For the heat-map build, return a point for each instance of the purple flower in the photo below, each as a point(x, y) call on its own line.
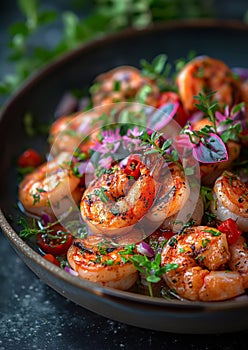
point(131, 141)
point(110, 143)
point(110, 136)
point(236, 115)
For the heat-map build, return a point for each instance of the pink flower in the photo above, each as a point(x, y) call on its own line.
point(131, 141)
point(110, 136)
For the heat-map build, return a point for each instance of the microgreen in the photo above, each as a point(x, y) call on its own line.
point(158, 145)
point(213, 232)
point(208, 106)
point(207, 196)
point(151, 269)
point(100, 192)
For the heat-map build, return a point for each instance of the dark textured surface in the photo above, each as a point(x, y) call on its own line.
point(33, 316)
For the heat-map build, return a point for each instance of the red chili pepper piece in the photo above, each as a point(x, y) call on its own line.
point(133, 167)
point(29, 158)
point(52, 259)
point(230, 228)
point(56, 242)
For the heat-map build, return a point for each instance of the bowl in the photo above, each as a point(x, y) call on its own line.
point(41, 94)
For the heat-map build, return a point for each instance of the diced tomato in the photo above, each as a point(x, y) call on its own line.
point(29, 158)
point(230, 228)
point(170, 96)
point(52, 259)
point(55, 242)
point(133, 167)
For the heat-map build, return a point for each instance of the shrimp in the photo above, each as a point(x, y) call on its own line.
point(113, 203)
point(100, 263)
point(201, 255)
point(68, 132)
point(172, 195)
point(51, 184)
point(231, 199)
point(121, 84)
point(207, 74)
point(239, 258)
point(193, 209)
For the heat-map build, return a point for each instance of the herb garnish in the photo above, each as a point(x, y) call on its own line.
point(151, 269)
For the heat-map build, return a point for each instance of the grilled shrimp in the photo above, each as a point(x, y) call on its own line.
point(101, 263)
point(68, 132)
point(122, 84)
point(193, 209)
point(239, 258)
point(113, 203)
point(202, 256)
point(231, 199)
point(207, 74)
point(172, 195)
point(51, 184)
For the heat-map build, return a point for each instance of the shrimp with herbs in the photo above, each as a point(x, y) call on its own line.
point(123, 84)
point(230, 199)
point(172, 194)
point(208, 74)
point(50, 185)
point(102, 263)
point(204, 265)
point(75, 131)
point(118, 199)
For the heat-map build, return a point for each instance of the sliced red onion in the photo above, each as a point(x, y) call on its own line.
point(82, 168)
point(68, 104)
point(195, 117)
point(83, 103)
point(241, 72)
point(123, 162)
point(70, 271)
point(145, 249)
point(46, 219)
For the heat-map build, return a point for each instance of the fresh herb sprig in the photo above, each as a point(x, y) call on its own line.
point(151, 269)
point(154, 140)
point(28, 231)
point(158, 70)
point(208, 106)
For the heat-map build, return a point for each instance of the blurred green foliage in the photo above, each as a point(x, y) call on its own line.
point(103, 17)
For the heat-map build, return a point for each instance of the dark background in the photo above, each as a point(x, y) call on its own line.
point(33, 316)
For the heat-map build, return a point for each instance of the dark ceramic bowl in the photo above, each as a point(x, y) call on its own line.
point(40, 96)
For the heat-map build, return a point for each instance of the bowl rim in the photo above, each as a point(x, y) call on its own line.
point(57, 272)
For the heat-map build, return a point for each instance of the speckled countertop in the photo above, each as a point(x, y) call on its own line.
point(33, 316)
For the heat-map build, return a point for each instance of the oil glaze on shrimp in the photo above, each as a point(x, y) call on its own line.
point(207, 74)
point(122, 84)
point(69, 132)
point(231, 200)
point(102, 264)
point(113, 203)
point(174, 192)
point(50, 184)
point(202, 255)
